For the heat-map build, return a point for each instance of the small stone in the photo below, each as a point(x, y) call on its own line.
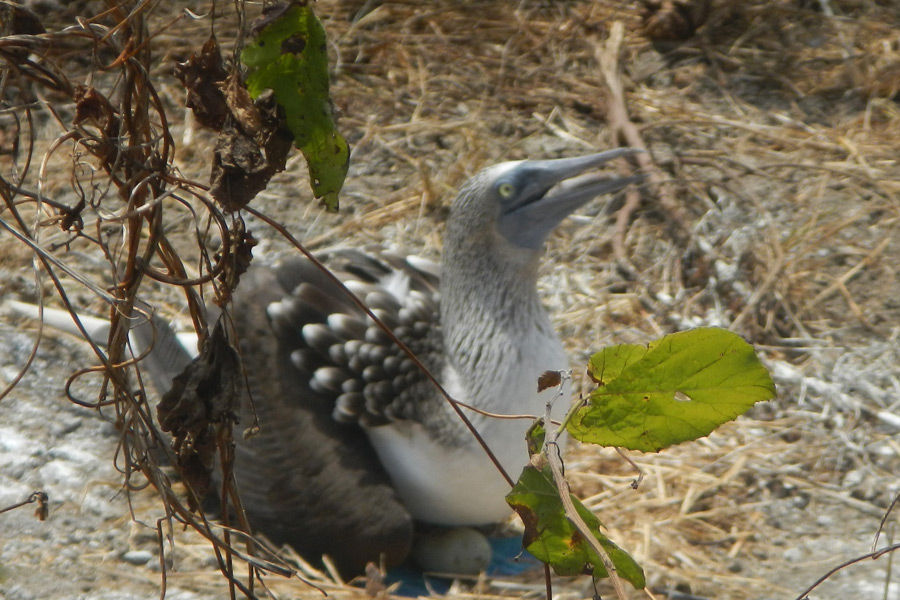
point(71, 553)
point(853, 479)
point(825, 521)
point(461, 551)
point(65, 426)
point(793, 554)
point(137, 557)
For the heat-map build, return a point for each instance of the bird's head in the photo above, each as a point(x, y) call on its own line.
point(521, 202)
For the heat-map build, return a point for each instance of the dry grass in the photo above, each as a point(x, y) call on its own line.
point(776, 127)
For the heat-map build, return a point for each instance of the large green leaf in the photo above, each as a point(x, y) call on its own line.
point(609, 363)
point(552, 538)
point(289, 57)
point(678, 388)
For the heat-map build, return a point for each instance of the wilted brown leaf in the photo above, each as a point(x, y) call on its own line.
point(203, 400)
point(201, 75)
point(548, 379)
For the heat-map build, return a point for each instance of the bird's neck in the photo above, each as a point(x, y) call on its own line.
point(492, 320)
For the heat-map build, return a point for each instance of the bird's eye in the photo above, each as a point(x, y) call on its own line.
point(506, 190)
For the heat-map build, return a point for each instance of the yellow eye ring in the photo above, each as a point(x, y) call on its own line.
point(506, 190)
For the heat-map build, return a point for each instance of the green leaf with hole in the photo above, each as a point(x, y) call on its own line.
point(676, 389)
point(552, 538)
point(289, 56)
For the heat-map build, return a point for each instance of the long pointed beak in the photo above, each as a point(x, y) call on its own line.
point(555, 190)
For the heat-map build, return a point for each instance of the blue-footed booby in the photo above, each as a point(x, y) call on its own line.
point(355, 443)
point(476, 322)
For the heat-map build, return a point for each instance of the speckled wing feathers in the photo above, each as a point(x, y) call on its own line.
point(343, 353)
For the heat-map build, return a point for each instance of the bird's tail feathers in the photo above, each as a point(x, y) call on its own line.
point(169, 354)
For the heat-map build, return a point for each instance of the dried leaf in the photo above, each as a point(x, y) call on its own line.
point(242, 164)
point(201, 76)
point(42, 510)
point(203, 401)
point(241, 106)
point(548, 379)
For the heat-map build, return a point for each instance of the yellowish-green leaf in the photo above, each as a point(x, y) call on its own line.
point(677, 389)
point(609, 363)
point(552, 538)
point(289, 57)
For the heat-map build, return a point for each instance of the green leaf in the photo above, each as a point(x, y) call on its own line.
point(534, 437)
point(679, 388)
point(552, 538)
point(609, 363)
point(289, 57)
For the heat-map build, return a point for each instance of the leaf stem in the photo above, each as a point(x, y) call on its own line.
point(554, 459)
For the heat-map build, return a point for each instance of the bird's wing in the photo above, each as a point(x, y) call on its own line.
point(305, 479)
point(344, 354)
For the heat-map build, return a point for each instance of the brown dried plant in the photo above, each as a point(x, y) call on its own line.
point(96, 81)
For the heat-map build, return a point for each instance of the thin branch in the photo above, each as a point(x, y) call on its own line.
point(844, 565)
point(553, 454)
